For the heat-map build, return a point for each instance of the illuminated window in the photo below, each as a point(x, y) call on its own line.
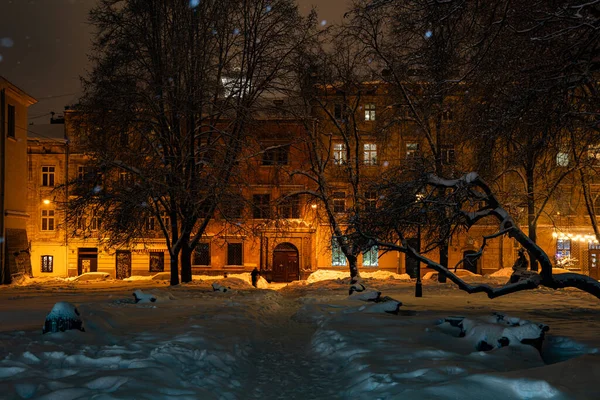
point(370, 153)
point(563, 248)
point(370, 112)
point(338, 258)
point(47, 220)
point(562, 159)
point(48, 175)
point(412, 151)
point(339, 154)
point(371, 257)
point(47, 263)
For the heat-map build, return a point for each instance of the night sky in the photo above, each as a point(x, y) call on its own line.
point(44, 45)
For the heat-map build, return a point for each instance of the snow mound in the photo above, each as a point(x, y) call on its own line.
point(328, 274)
point(141, 297)
point(91, 276)
point(502, 273)
point(64, 316)
point(461, 273)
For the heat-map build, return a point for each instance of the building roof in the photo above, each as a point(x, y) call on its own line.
point(46, 132)
point(28, 100)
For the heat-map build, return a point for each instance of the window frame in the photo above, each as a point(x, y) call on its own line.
point(261, 206)
point(229, 248)
point(48, 175)
point(197, 256)
point(339, 201)
point(48, 223)
point(276, 155)
point(563, 248)
point(370, 112)
point(340, 153)
point(11, 121)
point(371, 257)
point(338, 258)
point(370, 154)
point(156, 255)
point(47, 264)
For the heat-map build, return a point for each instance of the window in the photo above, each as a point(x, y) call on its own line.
point(234, 254)
point(338, 111)
point(232, 206)
point(596, 203)
point(125, 178)
point(201, 254)
point(276, 155)
point(370, 201)
point(261, 206)
point(412, 151)
point(339, 202)
point(81, 223)
point(562, 159)
point(166, 220)
point(95, 223)
point(338, 258)
point(47, 220)
point(447, 155)
point(11, 120)
point(48, 175)
point(157, 262)
point(563, 248)
point(594, 152)
point(289, 207)
point(339, 154)
point(370, 112)
point(447, 115)
point(150, 224)
point(370, 153)
point(47, 263)
point(371, 257)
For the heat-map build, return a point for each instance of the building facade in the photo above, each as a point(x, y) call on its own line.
point(14, 250)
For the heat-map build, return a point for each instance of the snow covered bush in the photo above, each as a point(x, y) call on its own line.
point(498, 331)
point(64, 316)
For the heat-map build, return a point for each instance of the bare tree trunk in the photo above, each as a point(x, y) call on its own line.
point(353, 264)
point(174, 269)
point(589, 204)
point(531, 221)
point(186, 262)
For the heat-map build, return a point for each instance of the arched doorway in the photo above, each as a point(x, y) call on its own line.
point(286, 267)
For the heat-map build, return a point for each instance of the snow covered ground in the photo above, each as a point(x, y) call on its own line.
point(306, 340)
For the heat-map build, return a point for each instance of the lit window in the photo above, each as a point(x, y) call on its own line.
point(562, 159)
point(47, 220)
point(235, 254)
point(370, 112)
point(412, 150)
point(48, 175)
point(202, 254)
point(371, 257)
point(47, 263)
point(339, 202)
point(339, 154)
point(563, 248)
point(370, 153)
point(338, 258)
point(594, 152)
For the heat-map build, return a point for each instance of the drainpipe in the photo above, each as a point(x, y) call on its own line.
point(66, 202)
point(2, 183)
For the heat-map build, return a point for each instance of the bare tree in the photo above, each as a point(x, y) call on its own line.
point(468, 200)
point(167, 107)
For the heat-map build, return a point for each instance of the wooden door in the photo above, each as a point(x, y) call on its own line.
point(285, 266)
point(123, 264)
point(594, 263)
